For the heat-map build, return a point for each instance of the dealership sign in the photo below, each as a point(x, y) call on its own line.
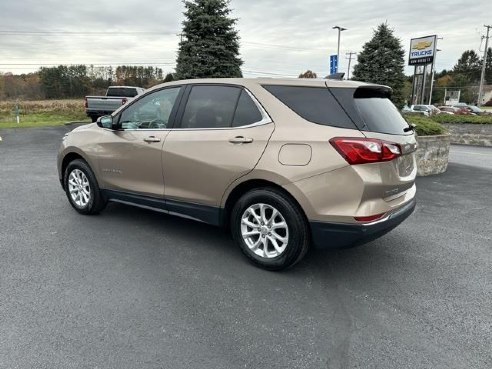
point(422, 50)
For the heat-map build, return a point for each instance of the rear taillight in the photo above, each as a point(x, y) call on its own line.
point(85, 103)
point(124, 101)
point(365, 150)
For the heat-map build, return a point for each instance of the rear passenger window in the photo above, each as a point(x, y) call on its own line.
point(210, 107)
point(315, 104)
point(246, 112)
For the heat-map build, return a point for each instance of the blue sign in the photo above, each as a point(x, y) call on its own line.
point(333, 64)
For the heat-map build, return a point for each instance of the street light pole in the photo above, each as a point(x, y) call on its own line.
point(484, 62)
point(340, 29)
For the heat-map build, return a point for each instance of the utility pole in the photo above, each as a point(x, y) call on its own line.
point(484, 62)
point(340, 29)
point(350, 60)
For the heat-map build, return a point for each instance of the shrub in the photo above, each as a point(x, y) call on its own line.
point(424, 126)
point(460, 119)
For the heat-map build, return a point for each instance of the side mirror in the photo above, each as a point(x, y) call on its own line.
point(105, 121)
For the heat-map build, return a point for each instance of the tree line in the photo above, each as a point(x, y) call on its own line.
point(76, 81)
point(209, 48)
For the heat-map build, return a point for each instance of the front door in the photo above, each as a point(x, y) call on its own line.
point(131, 158)
point(220, 136)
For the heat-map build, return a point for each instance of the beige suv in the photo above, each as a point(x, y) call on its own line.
point(283, 163)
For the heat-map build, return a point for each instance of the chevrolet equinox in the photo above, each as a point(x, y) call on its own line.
point(283, 163)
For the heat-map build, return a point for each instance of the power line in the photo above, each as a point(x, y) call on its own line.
point(55, 33)
point(283, 46)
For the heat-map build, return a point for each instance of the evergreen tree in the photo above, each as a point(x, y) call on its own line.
point(210, 44)
point(169, 77)
point(488, 66)
point(469, 66)
point(382, 61)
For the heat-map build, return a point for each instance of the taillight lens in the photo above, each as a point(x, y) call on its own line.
point(85, 103)
point(124, 101)
point(357, 150)
point(370, 218)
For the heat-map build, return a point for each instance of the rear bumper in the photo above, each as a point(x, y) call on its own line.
point(337, 235)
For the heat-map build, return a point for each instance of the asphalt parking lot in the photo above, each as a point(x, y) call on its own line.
point(131, 288)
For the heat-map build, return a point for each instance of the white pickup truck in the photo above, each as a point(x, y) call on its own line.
point(97, 106)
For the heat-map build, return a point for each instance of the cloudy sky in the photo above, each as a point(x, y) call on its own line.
point(278, 37)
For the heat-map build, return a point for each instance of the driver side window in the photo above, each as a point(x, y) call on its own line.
point(151, 112)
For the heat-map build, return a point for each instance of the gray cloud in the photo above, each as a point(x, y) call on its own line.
point(278, 37)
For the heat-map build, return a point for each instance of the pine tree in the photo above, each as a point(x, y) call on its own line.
point(210, 44)
point(488, 66)
point(382, 61)
point(469, 66)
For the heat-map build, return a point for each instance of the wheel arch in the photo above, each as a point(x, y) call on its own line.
point(67, 159)
point(241, 188)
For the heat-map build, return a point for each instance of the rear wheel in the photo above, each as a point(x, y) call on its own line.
point(270, 229)
point(82, 189)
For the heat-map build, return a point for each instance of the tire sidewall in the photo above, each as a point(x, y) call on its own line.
point(292, 217)
point(84, 168)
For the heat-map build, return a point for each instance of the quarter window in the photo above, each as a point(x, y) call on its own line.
point(315, 104)
point(152, 111)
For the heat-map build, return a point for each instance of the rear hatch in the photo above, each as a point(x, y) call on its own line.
point(377, 118)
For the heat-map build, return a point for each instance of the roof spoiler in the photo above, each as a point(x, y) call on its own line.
point(336, 76)
point(373, 91)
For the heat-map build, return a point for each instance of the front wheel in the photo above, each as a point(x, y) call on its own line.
point(82, 189)
point(270, 229)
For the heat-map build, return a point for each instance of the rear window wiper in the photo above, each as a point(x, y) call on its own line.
point(411, 127)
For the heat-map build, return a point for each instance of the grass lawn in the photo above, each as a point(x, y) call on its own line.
point(41, 113)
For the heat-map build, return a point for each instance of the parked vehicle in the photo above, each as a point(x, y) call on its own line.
point(474, 110)
point(408, 109)
point(463, 110)
point(430, 109)
point(449, 110)
point(97, 106)
point(283, 163)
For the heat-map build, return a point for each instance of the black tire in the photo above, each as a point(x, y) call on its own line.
point(298, 228)
point(96, 201)
point(94, 118)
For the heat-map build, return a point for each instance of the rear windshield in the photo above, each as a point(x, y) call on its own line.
point(315, 104)
point(371, 109)
point(122, 92)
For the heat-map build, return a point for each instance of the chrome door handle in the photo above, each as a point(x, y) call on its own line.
point(152, 139)
point(240, 139)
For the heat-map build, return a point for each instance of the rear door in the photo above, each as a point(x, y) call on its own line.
point(220, 136)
